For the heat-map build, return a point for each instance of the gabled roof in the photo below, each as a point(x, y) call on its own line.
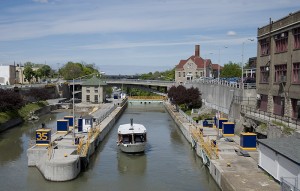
point(197, 60)
point(288, 147)
point(94, 81)
point(216, 67)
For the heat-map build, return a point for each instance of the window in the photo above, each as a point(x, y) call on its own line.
point(264, 74)
point(281, 42)
point(296, 33)
point(264, 47)
point(280, 73)
point(96, 98)
point(88, 91)
point(87, 98)
point(96, 90)
point(183, 74)
point(179, 74)
point(296, 72)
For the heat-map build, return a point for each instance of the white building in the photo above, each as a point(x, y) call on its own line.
point(7, 75)
point(280, 157)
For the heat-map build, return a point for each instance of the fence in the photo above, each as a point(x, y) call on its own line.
point(286, 185)
point(189, 118)
point(270, 117)
point(244, 100)
point(225, 83)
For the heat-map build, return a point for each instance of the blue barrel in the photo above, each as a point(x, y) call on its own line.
point(62, 125)
point(79, 124)
point(248, 141)
point(70, 119)
point(228, 129)
point(220, 121)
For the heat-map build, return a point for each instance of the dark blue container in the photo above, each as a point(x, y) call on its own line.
point(220, 121)
point(62, 125)
point(43, 136)
point(70, 119)
point(228, 129)
point(79, 124)
point(248, 141)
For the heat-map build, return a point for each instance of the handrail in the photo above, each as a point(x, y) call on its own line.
point(267, 116)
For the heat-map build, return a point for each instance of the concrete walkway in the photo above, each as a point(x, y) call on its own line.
point(235, 172)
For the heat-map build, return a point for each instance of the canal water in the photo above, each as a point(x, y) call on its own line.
point(169, 163)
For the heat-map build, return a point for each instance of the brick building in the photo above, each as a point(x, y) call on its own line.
point(192, 68)
point(278, 66)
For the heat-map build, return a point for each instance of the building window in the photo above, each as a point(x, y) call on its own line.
point(179, 74)
point(281, 42)
point(296, 72)
point(88, 91)
point(280, 73)
point(264, 47)
point(297, 38)
point(264, 74)
point(96, 90)
point(183, 74)
point(96, 98)
point(88, 98)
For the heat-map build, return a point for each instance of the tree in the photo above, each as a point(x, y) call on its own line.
point(231, 70)
point(10, 100)
point(28, 72)
point(193, 98)
point(189, 97)
point(44, 71)
point(73, 70)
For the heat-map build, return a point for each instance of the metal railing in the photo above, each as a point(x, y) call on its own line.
point(147, 98)
point(286, 185)
point(225, 83)
point(270, 117)
point(244, 100)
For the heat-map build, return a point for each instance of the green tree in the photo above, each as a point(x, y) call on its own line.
point(44, 71)
point(28, 72)
point(231, 70)
point(73, 70)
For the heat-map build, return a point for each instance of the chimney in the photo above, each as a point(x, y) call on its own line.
point(197, 50)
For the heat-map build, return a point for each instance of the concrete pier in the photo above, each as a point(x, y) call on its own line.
point(62, 160)
point(229, 170)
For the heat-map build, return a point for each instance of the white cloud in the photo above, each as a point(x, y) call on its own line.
point(231, 33)
point(41, 1)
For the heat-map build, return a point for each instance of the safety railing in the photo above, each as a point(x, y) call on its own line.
point(147, 98)
point(270, 117)
point(210, 147)
point(289, 183)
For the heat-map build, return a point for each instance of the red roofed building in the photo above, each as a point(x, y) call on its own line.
point(192, 68)
point(215, 70)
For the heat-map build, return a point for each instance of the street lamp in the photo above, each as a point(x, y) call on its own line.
point(74, 101)
point(219, 63)
point(243, 63)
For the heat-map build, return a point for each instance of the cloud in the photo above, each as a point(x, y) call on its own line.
point(231, 33)
point(40, 1)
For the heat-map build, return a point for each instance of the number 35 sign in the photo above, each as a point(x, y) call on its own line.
point(43, 136)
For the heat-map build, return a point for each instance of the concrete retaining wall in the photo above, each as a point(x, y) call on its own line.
point(213, 169)
point(11, 123)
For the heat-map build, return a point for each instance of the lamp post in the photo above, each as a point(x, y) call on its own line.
point(74, 101)
point(219, 60)
point(242, 78)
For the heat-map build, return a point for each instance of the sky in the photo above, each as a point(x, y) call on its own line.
point(133, 36)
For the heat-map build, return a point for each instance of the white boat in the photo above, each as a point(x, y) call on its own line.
point(132, 138)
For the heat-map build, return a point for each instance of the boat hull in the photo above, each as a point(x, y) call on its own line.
point(133, 148)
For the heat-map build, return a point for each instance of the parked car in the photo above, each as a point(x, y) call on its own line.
point(250, 80)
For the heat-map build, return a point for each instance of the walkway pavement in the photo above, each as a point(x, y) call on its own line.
point(237, 172)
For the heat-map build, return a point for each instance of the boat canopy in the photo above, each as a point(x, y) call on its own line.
point(129, 129)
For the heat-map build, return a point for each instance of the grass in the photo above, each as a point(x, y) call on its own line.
point(23, 112)
point(286, 130)
point(263, 127)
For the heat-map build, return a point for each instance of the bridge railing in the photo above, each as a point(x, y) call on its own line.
point(270, 117)
point(224, 83)
point(147, 98)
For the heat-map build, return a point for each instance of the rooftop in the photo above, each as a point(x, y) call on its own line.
point(288, 147)
point(94, 81)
